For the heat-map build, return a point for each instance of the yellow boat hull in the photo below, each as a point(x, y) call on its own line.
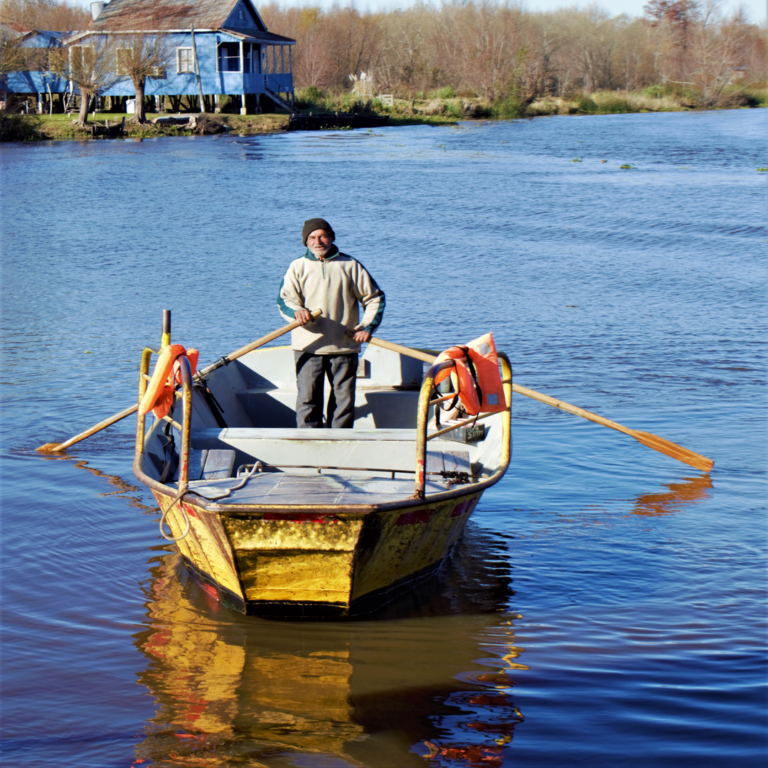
point(329, 562)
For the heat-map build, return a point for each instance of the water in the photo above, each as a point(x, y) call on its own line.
point(607, 604)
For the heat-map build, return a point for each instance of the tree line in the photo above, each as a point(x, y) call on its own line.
point(497, 50)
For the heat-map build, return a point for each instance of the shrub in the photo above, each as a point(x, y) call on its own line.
point(614, 105)
point(14, 127)
point(455, 109)
point(446, 92)
point(508, 108)
point(311, 96)
point(586, 104)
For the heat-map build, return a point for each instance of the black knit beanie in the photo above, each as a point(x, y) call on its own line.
point(310, 225)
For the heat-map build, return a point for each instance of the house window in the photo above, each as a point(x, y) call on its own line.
point(123, 61)
point(185, 60)
point(229, 57)
point(81, 60)
point(241, 16)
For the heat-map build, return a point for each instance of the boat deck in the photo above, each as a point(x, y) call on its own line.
point(284, 489)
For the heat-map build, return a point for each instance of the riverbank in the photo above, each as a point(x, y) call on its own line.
point(63, 127)
point(442, 107)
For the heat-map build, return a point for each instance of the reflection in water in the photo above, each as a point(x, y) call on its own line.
point(680, 495)
point(430, 677)
point(124, 488)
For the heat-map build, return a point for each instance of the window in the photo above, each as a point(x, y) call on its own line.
point(229, 57)
point(81, 60)
point(123, 61)
point(185, 60)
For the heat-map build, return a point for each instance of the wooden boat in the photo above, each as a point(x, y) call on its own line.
point(329, 120)
point(275, 520)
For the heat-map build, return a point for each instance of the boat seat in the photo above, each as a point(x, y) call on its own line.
point(363, 450)
point(214, 464)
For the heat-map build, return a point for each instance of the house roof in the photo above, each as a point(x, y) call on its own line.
point(254, 36)
point(166, 15)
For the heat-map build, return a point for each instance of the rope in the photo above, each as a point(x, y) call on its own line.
point(184, 515)
point(257, 467)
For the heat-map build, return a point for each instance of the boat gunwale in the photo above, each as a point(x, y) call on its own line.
point(352, 510)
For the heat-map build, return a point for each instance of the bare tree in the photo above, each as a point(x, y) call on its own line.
point(91, 66)
point(58, 15)
point(141, 56)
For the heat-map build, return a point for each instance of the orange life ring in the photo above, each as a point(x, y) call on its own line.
point(482, 392)
point(159, 395)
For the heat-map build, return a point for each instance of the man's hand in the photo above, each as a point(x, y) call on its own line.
point(362, 336)
point(302, 316)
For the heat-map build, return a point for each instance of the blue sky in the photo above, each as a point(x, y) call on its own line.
point(757, 10)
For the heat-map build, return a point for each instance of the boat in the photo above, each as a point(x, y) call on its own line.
point(278, 521)
point(325, 121)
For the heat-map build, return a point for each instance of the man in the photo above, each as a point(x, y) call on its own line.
point(324, 278)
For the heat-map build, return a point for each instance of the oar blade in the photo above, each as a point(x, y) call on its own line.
point(50, 448)
point(674, 450)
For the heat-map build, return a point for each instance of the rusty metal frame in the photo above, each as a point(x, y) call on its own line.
point(186, 425)
point(350, 511)
point(422, 419)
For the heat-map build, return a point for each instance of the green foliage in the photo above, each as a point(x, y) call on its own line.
point(19, 127)
point(508, 108)
point(586, 105)
point(311, 96)
point(455, 109)
point(446, 92)
point(614, 105)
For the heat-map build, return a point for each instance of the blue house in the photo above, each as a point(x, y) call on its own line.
point(223, 42)
point(37, 47)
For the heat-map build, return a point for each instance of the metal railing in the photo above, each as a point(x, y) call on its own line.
point(426, 400)
point(186, 424)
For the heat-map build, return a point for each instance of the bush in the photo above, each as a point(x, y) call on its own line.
point(15, 127)
point(311, 96)
point(447, 92)
point(508, 108)
point(455, 109)
point(586, 104)
point(614, 105)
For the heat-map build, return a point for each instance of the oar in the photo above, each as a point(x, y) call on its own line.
point(58, 447)
point(646, 438)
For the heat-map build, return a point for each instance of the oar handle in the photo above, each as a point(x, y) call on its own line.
point(222, 361)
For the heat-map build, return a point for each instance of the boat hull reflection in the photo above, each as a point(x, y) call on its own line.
point(432, 675)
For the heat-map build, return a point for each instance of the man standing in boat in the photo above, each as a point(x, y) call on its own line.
point(324, 278)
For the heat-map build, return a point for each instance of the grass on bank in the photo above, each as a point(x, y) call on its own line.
point(441, 107)
point(61, 126)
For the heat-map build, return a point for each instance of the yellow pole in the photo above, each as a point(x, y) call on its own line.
point(165, 339)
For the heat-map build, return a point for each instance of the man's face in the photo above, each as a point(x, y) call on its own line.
point(319, 242)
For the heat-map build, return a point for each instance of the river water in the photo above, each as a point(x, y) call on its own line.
point(607, 604)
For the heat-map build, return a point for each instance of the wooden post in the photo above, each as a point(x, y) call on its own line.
point(243, 110)
point(197, 73)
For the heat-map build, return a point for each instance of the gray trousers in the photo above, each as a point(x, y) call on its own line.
point(311, 370)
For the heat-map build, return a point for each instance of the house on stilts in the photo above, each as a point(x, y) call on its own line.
point(216, 48)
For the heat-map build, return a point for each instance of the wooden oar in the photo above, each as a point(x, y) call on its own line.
point(58, 447)
point(646, 438)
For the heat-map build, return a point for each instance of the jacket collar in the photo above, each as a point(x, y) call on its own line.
point(332, 255)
